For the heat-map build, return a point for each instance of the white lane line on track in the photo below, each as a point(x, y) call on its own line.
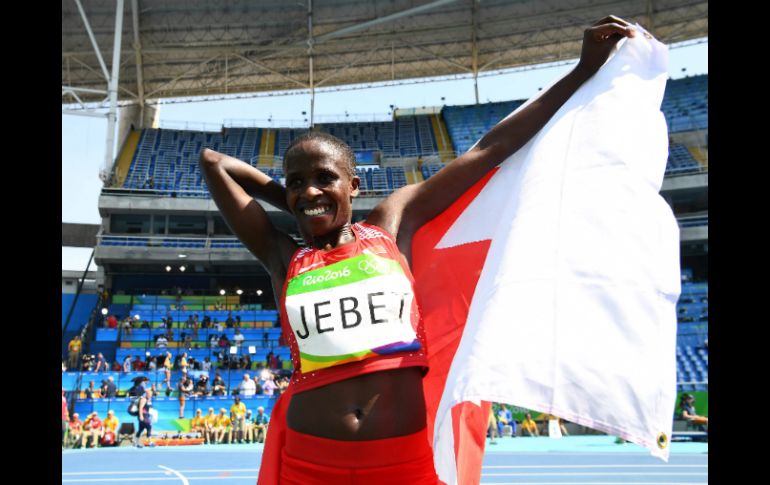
point(593, 483)
point(597, 474)
point(141, 472)
point(179, 475)
point(158, 479)
point(539, 467)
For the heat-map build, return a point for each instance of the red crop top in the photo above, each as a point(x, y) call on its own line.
point(351, 311)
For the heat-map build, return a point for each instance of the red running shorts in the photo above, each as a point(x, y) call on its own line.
point(310, 460)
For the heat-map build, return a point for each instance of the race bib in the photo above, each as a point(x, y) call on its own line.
point(351, 310)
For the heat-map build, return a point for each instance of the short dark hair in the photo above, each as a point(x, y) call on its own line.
point(347, 153)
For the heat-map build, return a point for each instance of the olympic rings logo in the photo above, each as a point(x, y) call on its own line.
point(373, 266)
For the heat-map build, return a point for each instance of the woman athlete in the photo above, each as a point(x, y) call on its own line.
point(359, 417)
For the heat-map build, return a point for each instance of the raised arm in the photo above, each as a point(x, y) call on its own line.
point(233, 185)
point(407, 209)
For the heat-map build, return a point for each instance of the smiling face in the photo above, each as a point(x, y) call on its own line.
point(319, 188)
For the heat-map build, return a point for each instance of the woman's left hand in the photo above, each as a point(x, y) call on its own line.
point(600, 39)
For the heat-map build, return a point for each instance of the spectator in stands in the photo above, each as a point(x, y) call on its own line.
point(245, 362)
point(75, 436)
point(230, 321)
point(138, 388)
point(183, 364)
point(138, 364)
point(529, 427)
point(247, 387)
point(161, 341)
point(222, 427)
point(127, 364)
point(198, 424)
point(103, 388)
point(687, 411)
point(144, 417)
point(169, 334)
point(73, 356)
point(112, 322)
point(127, 325)
point(196, 326)
point(65, 416)
point(206, 365)
point(168, 322)
point(211, 424)
point(224, 342)
point(145, 324)
point(237, 321)
point(189, 322)
point(110, 426)
point(505, 418)
point(219, 325)
point(167, 365)
point(238, 417)
point(238, 338)
point(492, 426)
point(116, 367)
point(185, 388)
point(111, 390)
point(152, 363)
point(202, 386)
point(213, 341)
point(261, 421)
point(92, 428)
point(218, 387)
point(101, 363)
point(187, 342)
point(268, 386)
point(206, 321)
point(91, 391)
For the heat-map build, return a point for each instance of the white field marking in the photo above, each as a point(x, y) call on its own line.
point(179, 475)
point(597, 474)
point(137, 472)
point(593, 466)
point(593, 483)
point(158, 479)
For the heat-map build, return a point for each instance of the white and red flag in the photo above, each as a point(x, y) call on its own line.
point(552, 284)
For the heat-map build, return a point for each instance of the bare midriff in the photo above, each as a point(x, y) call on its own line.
point(372, 406)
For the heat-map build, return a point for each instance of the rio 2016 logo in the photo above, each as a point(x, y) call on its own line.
point(327, 275)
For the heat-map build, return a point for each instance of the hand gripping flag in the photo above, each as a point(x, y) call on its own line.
point(552, 284)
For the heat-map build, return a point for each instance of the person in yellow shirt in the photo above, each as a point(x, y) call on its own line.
point(74, 353)
point(210, 422)
point(111, 422)
point(223, 426)
point(529, 426)
point(238, 416)
point(198, 424)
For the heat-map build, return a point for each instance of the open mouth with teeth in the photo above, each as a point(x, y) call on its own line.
point(316, 211)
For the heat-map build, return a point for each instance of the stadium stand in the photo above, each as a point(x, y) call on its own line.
point(165, 160)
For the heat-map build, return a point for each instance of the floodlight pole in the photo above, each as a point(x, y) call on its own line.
point(113, 93)
point(310, 58)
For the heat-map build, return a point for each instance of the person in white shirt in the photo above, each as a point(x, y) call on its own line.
point(238, 337)
point(247, 387)
point(162, 342)
point(268, 386)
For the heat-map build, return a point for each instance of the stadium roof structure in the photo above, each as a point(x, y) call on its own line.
point(192, 48)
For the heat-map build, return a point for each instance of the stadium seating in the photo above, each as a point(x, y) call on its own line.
point(685, 104)
point(170, 156)
point(466, 124)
